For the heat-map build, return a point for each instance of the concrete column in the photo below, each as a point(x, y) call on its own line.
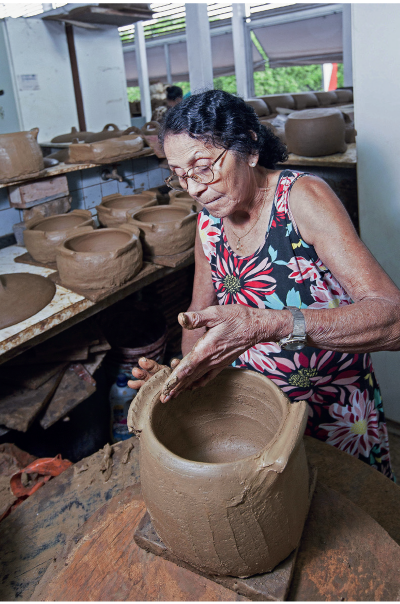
point(198, 43)
point(243, 67)
point(143, 72)
point(168, 63)
point(347, 47)
point(375, 35)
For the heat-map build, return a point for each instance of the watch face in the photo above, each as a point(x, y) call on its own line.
point(293, 345)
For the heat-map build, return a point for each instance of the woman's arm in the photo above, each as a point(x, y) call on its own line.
point(371, 323)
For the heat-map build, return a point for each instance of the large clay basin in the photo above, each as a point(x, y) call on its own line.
point(42, 236)
point(166, 230)
point(223, 471)
point(184, 199)
point(101, 259)
point(316, 132)
point(20, 156)
point(113, 208)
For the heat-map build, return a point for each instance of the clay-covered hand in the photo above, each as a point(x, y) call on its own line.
point(146, 369)
point(231, 330)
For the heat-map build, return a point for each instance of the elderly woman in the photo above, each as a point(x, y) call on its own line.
point(283, 285)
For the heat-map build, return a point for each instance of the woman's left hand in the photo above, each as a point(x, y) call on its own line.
point(231, 330)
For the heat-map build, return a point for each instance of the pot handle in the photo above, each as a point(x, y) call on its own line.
point(34, 132)
point(131, 228)
point(278, 454)
point(112, 126)
point(187, 220)
point(134, 222)
point(141, 406)
point(131, 129)
point(103, 209)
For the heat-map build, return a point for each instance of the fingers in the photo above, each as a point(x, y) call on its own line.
point(149, 365)
point(194, 320)
point(136, 384)
point(175, 363)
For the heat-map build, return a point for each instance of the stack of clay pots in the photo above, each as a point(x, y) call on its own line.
point(42, 236)
point(166, 230)
point(183, 198)
point(113, 208)
point(102, 259)
point(150, 134)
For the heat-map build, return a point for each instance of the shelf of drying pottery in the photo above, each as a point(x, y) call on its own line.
point(63, 168)
point(348, 159)
point(66, 308)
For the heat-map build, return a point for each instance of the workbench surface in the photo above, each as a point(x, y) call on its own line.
point(67, 308)
point(337, 160)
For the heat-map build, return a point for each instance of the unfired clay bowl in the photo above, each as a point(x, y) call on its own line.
point(113, 208)
point(100, 260)
point(20, 156)
point(223, 471)
point(166, 230)
point(42, 236)
point(184, 199)
point(316, 132)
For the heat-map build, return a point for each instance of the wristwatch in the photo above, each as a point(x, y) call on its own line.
point(297, 339)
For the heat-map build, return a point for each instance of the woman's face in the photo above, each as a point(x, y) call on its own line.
point(234, 183)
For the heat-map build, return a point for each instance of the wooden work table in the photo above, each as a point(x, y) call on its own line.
point(67, 308)
point(33, 537)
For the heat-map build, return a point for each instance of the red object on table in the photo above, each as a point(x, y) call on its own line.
point(45, 467)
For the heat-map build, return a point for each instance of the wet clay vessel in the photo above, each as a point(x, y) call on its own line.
point(101, 259)
point(166, 230)
point(113, 208)
point(69, 137)
point(316, 132)
point(150, 134)
point(22, 295)
point(42, 236)
point(105, 151)
point(223, 471)
point(184, 199)
point(20, 156)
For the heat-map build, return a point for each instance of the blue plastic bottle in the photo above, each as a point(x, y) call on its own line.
point(120, 399)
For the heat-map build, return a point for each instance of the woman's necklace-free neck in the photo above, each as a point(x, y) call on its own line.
point(239, 245)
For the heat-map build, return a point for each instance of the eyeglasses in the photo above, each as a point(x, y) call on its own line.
point(200, 174)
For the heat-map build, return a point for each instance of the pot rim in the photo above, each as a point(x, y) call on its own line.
point(187, 463)
point(35, 222)
point(132, 237)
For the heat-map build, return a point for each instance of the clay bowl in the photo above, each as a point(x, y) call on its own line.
point(223, 471)
point(166, 230)
point(184, 199)
point(316, 132)
point(101, 259)
point(21, 156)
point(43, 235)
point(113, 208)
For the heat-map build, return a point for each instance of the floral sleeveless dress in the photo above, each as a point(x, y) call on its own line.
point(344, 401)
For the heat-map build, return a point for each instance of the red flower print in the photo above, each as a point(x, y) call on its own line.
point(356, 429)
point(209, 234)
point(258, 358)
point(243, 280)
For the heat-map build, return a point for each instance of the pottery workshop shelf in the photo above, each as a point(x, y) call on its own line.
point(63, 168)
point(67, 307)
point(337, 160)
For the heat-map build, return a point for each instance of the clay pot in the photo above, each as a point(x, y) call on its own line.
point(150, 134)
point(159, 192)
point(279, 100)
point(71, 136)
point(42, 236)
point(22, 295)
point(316, 132)
point(183, 198)
point(100, 260)
point(166, 230)
point(109, 131)
point(113, 208)
point(326, 98)
point(21, 156)
point(223, 471)
point(259, 106)
point(303, 100)
point(105, 151)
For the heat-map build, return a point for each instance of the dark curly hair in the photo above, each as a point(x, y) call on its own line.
point(226, 121)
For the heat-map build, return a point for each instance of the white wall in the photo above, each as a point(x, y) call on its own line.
point(376, 65)
point(47, 101)
point(9, 119)
point(102, 77)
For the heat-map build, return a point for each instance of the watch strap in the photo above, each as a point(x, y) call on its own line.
point(299, 323)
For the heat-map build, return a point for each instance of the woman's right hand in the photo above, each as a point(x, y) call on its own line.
point(147, 368)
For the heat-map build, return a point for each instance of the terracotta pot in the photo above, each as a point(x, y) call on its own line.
point(21, 156)
point(303, 100)
point(326, 98)
point(183, 198)
point(100, 260)
point(42, 236)
point(150, 134)
point(109, 131)
point(223, 471)
point(159, 192)
point(71, 136)
point(166, 230)
point(113, 208)
point(105, 151)
point(316, 132)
